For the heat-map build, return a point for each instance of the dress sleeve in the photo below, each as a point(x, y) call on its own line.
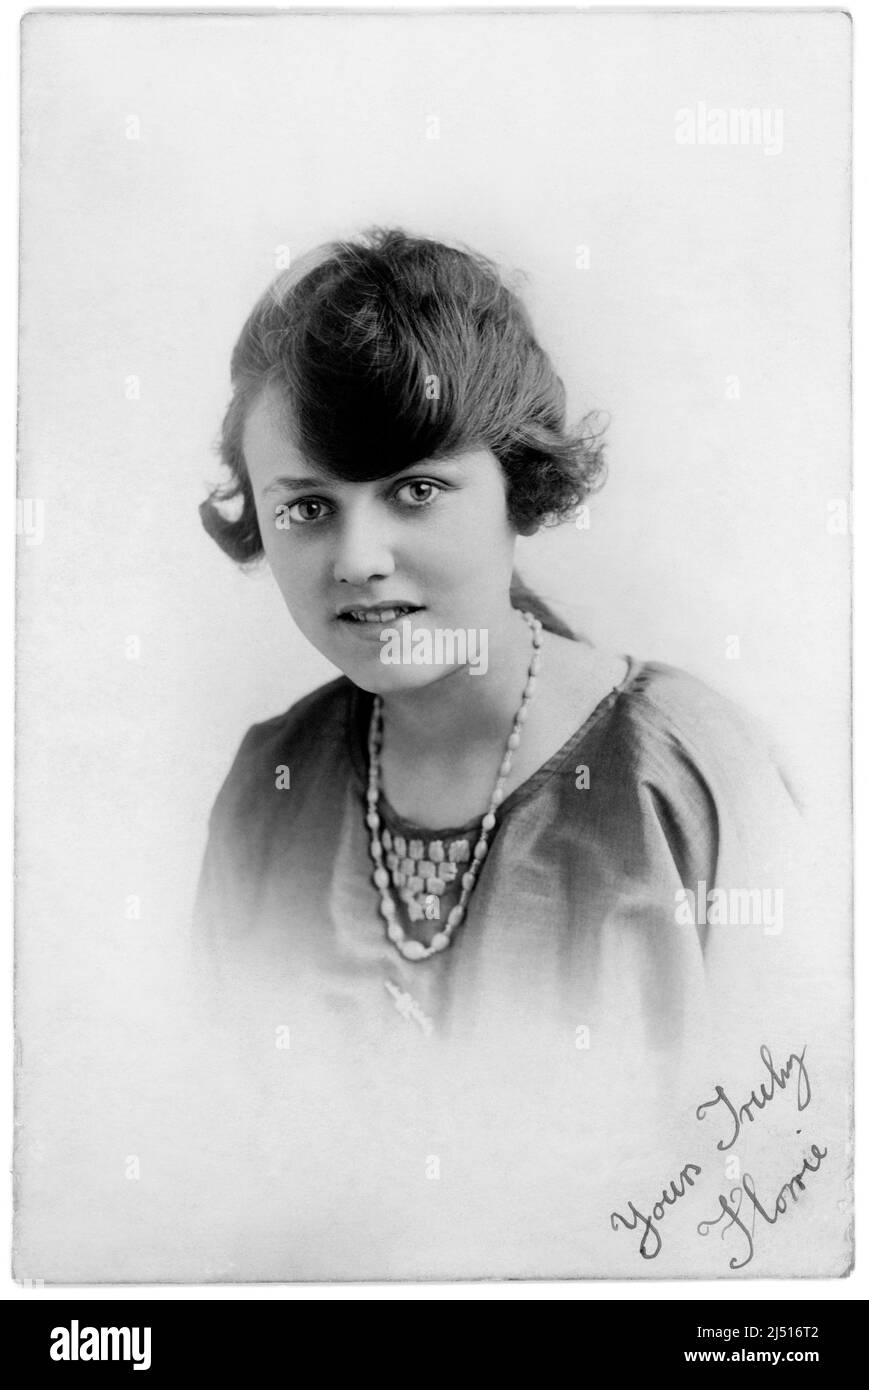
point(229, 875)
point(737, 838)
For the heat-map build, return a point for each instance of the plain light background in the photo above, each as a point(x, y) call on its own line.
point(143, 257)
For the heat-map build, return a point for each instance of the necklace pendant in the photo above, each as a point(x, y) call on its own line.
point(409, 1008)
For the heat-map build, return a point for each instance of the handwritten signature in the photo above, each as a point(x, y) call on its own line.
point(776, 1081)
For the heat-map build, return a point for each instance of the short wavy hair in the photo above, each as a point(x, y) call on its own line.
point(395, 348)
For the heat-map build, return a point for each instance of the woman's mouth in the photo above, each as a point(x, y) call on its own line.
point(379, 617)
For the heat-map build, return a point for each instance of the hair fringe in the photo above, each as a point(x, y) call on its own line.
point(393, 348)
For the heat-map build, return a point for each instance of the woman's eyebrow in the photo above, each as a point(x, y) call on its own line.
point(430, 465)
point(277, 484)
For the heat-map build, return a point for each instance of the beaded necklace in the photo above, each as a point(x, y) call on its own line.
point(405, 876)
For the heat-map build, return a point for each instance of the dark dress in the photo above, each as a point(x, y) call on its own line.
point(579, 918)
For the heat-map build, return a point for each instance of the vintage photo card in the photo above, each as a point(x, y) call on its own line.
point(434, 685)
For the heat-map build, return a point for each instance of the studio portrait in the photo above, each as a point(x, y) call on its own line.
point(395, 426)
point(434, 582)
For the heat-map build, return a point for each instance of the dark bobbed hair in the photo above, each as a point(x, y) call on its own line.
point(395, 348)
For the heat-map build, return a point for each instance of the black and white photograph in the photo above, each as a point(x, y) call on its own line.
point(433, 757)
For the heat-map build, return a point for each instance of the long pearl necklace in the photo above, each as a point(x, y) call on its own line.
point(409, 948)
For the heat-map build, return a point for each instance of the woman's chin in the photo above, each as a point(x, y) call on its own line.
point(380, 679)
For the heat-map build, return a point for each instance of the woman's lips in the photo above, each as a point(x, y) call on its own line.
point(378, 617)
point(370, 627)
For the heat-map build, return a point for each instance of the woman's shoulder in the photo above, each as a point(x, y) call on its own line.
point(654, 707)
point(672, 762)
point(669, 723)
point(313, 728)
point(319, 713)
point(664, 703)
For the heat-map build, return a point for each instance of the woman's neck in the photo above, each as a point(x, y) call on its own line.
point(442, 746)
point(461, 711)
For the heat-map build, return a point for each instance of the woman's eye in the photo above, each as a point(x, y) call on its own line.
point(306, 509)
point(418, 493)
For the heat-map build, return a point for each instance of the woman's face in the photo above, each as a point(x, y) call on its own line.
point(430, 548)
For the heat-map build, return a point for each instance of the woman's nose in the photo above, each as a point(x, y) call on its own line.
point(363, 549)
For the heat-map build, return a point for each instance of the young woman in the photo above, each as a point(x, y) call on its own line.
point(485, 823)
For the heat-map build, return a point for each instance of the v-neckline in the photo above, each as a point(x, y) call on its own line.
point(358, 724)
